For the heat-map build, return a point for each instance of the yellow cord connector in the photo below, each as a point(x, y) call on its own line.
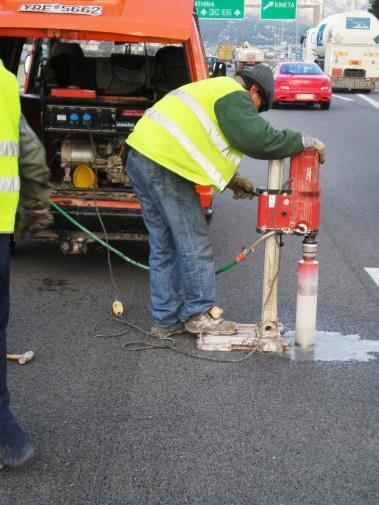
point(215, 312)
point(117, 308)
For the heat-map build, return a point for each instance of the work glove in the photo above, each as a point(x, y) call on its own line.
point(31, 221)
point(313, 143)
point(241, 187)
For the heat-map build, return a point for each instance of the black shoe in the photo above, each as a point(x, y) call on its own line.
point(15, 448)
point(166, 332)
point(11, 457)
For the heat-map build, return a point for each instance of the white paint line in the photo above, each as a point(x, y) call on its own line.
point(374, 273)
point(343, 98)
point(369, 100)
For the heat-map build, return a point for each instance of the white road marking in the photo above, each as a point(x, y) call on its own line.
point(374, 273)
point(343, 98)
point(369, 100)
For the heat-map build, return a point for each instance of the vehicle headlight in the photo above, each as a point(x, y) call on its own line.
point(284, 86)
point(324, 88)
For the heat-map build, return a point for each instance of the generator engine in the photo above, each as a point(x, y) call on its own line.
point(102, 157)
point(89, 136)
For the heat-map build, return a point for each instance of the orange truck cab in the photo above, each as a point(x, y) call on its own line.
point(87, 72)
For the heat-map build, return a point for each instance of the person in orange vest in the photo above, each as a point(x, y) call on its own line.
point(24, 187)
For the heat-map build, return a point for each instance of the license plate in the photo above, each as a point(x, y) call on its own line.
point(88, 10)
point(305, 96)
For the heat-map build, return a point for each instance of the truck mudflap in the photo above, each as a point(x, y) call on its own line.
point(353, 83)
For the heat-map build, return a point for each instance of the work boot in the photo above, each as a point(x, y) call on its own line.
point(205, 323)
point(167, 332)
point(15, 448)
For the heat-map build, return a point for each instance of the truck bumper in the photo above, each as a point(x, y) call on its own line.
point(353, 83)
point(121, 221)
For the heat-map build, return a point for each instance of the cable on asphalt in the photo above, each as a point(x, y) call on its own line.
point(165, 343)
point(168, 343)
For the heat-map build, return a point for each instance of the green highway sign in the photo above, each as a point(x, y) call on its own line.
point(220, 9)
point(278, 9)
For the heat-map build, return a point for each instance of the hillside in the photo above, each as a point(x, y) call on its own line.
point(270, 33)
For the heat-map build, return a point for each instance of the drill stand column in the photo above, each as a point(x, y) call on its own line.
point(266, 336)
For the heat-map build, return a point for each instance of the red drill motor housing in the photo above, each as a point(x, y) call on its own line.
point(296, 209)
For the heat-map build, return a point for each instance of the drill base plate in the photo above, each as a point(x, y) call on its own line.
point(248, 337)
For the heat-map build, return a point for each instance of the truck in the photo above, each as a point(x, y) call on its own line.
point(247, 56)
point(346, 47)
point(225, 52)
point(90, 72)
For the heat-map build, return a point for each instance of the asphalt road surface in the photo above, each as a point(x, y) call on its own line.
point(157, 427)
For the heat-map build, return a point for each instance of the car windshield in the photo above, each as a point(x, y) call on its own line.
point(300, 69)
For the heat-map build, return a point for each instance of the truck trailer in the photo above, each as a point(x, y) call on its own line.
point(247, 56)
point(225, 52)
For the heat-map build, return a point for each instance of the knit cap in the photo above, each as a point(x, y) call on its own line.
point(262, 76)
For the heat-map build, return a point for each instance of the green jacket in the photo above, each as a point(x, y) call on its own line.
point(248, 132)
point(35, 188)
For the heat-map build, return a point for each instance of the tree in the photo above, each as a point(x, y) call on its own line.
point(374, 7)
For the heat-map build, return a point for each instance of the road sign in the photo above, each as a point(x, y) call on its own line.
point(220, 9)
point(278, 9)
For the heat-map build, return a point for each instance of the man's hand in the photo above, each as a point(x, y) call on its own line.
point(241, 187)
point(31, 221)
point(313, 143)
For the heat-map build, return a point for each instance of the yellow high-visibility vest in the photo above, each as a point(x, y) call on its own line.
point(9, 149)
point(181, 133)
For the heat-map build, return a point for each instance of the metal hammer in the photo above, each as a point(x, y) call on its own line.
point(21, 359)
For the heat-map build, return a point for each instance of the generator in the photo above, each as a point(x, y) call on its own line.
point(89, 140)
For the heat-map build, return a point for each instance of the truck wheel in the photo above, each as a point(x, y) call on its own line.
point(325, 105)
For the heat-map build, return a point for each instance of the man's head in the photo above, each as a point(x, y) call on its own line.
point(259, 82)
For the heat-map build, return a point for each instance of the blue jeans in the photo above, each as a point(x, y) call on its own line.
point(13, 441)
point(182, 271)
point(4, 314)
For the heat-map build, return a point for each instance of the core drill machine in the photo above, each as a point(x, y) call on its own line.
point(290, 207)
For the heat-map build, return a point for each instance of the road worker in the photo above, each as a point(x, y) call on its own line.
point(197, 134)
point(24, 184)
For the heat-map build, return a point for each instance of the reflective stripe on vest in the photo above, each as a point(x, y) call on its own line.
point(9, 184)
point(188, 145)
point(9, 148)
point(208, 125)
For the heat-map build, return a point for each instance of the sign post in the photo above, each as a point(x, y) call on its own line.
point(220, 9)
point(278, 9)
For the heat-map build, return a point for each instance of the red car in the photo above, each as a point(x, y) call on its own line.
point(301, 82)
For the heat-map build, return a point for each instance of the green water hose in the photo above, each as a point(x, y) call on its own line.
point(238, 259)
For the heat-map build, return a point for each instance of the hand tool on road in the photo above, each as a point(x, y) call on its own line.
point(21, 359)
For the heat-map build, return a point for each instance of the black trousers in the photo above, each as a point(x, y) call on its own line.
point(4, 315)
